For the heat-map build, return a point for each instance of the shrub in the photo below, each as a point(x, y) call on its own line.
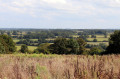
point(95, 50)
point(43, 48)
point(24, 49)
point(95, 40)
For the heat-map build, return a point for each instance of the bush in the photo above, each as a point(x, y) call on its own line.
point(95, 51)
point(43, 48)
point(24, 49)
point(95, 40)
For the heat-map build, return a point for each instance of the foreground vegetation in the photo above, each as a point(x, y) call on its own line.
point(34, 66)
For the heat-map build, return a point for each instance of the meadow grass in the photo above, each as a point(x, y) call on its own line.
point(35, 66)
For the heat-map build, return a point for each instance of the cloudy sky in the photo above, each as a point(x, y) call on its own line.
point(70, 14)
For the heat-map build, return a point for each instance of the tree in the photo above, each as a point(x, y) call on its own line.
point(114, 43)
point(68, 46)
point(14, 33)
point(95, 40)
point(43, 48)
point(40, 41)
point(84, 37)
point(73, 46)
point(103, 46)
point(8, 43)
point(95, 50)
point(24, 48)
point(82, 45)
point(105, 35)
point(59, 46)
point(3, 47)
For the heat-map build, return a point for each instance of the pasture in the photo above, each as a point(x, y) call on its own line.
point(97, 43)
point(31, 48)
point(16, 40)
point(99, 38)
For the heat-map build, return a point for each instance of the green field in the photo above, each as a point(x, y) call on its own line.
point(75, 36)
point(31, 48)
point(98, 39)
point(16, 40)
point(97, 43)
point(50, 39)
point(34, 39)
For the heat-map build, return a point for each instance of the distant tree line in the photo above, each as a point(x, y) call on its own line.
point(92, 32)
point(61, 45)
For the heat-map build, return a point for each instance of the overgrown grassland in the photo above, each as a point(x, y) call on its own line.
point(39, 66)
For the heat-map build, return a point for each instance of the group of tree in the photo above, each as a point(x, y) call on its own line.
point(63, 46)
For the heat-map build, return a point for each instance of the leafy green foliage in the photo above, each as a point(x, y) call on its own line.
point(95, 40)
point(43, 48)
point(82, 45)
point(24, 48)
point(59, 46)
point(6, 44)
point(9, 41)
point(114, 43)
point(2, 48)
point(73, 46)
point(95, 51)
point(68, 46)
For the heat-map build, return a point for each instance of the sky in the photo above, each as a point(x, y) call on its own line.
point(60, 14)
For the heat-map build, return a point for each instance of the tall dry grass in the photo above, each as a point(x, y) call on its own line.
point(60, 67)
